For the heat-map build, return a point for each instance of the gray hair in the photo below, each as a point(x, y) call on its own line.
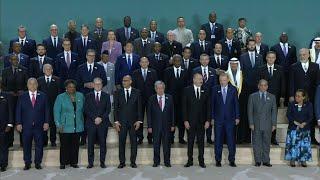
point(158, 83)
point(32, 79)
point(45, 66)
point(263, 81)
point(53, 26)
point(97, 79)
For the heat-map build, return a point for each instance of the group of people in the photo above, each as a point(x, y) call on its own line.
point(227, 82)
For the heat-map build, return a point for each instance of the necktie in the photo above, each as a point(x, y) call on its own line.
point(198, 93)
point(22, 42)
point(97, 98)
point(202, 46)
point(219, 61)
point(84, 42)
point(160, 102)
point(252, 59)
point(229, 46)
point(270, 71)
point(68, 59)
point(284, 49)
point(55, 42)
point(127, 95)
point(305, 68)
point(263, 97)
point(41, 63)
point(129, 62)
point(157, 57)
point(90, 69)
point(127, 34)
point(186, 64)
point(205, 75)
point(224, 95)
point(153, 35)
point(144, 74)
point(177, 73)
point(33, 100)
point(48, 81)
point(144, 43)
point(213, 28)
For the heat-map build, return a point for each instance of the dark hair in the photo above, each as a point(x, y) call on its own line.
point(42, 46)
point(105, 52)
point(69, 81)
point(128, 42)
point(185, 48)
point(84, 25)
point(216, 44)
point(242, 19)
point(271, 52)
point(66, 39)
point(90, 51)
point(304, 94)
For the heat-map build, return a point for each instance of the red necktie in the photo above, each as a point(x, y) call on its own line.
point(33, 100)
point(160, 102)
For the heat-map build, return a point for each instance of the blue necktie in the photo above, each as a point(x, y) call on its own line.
point(129, 62)
point(224, 95)
point(213, 28)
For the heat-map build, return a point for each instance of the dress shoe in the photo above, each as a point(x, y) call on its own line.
point(275, 143)
point(258, 164)
point(202, 164)
point(188, 164)
point(218, 163)
point(155, 165)
point(89, 166)
point(27, 167)
point(103, 165)
point(182, 141)
point(167, 165)
point(267, 164)
point(3, 168)
point(74, 165)
point(38, 166)
point(133, 165)
point(53, 144)
point(303, 164)
point(62, 166)
point(209, 141)
point(82, 143)
point(292, 164)
point(121, 166)
point(140, 141)
point(232, 164)
point(149, 141)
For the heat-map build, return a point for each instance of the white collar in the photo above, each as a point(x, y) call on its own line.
point(186, 60)
point(95, 92)
point(54, 37)
point(144, 69)
point(305, 63)
point(30, 93)
point(270, 66)
point(284, 44)
point(88, 64)
point(204, 67)
point(203, 41)
point(196, 87)
point(128, 54)
point(216, 55)
point(179, 68)
point(50, 77)
point(158, 96)
point(84, 37)
point(130, 88)
point(41, 57)
point(24, 39)
point(65, 52)
point(224, 87)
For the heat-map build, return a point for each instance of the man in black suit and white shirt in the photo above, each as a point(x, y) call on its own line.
point(214, 30)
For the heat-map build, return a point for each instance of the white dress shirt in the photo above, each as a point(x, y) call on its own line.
point(95, 94)
point(205, 71)
point(196, 89)
point(305, 66)
point(177, 71)
point(162, 100)
point(88, 66)
point(46, 78)
point(34, 93)
point(24, 40)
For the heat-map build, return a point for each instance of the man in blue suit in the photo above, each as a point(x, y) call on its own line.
point(225, 116)
point(126, 33)
point(83, 43)
point(126, 64)
point(214, 30)
point(32, 119)
point(23, 59)
point(154, 34)
point(28, 46)
point(53, 43)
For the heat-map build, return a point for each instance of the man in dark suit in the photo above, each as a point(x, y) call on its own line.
point(230, 46)
point(144, 45)
point(160, 115)
point(175, 78)
point(100, 35)
point(171, 47)
point(250, 63)
point(143, 79)
point(53, 43)
point(23, 59)
point(32, 119)
point(28, 46)
point(261, 48)
point(158, 61)
point(97, 109)
point(218, 61)
point(225, 116)
point(50, 85)
point(189, 63)
point(273, 73)
point(201, 46)
point(127, 33)
point(304, 75)
point(66, 63)
point(214, 30)
point(154, 34)
point(83, 43)
point(36, 63)
point(196, 116)
point(6, 124)
point(126, 64)
point(127, 118)
point(72, 34)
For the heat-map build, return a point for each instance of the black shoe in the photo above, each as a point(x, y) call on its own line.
point(232, 164)
point(218, 163)
point(149, 141)
point(121, 166)
point(258, 164)
point(155, 165)
point(182, 141)
point(45, 145)
point(103, 165)
point(267, 164)
point(133, 165)
point(3, 168)
point(209, 141)
point(38, 166)
point(89, 166)
point(303, 164)
point(140, 141)
point(202, 164)
point(53, 144)
point(275, 143)
point(188, 164)
point(83, 142)
point(167, 165)
point(172, 141)
point(292, 164)
point(74, 165)
point(27, 167)
point(62, 166)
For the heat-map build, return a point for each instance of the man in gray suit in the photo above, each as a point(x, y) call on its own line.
point(144, 45)
point(262, 115)
point(109, 69)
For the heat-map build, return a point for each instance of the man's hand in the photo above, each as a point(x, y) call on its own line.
point(19, 128)
point(118, 126)
point(97, 121)
point(237, 121)
point(206, 125)
point(274, 128)
point(136, 125)
point(7, 129)
point(252, 127)
point(187, 125)
point(172, 128)
point(291, 99)
point(45, 126)
point(150, 130)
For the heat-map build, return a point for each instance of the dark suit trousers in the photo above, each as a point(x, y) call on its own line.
point(69, 148)
point(122, 143)
point(97, 132)
point(52, 131)
point(178, 119)
point(261, 145)
point(164, 137)
point(194, 132)
point(140, 130)
point(28, 136)
point(11, 132)
point(223, 130)
point(4, 145)
point(243, 130)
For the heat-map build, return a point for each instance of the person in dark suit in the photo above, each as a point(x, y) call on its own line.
point(6, 124)
point(158, 61)
point(261, 48)
point(83, 43)
point(97, 109)
point(32, 119)
point(214, 30)
point(143, 79)
point(50, 85)
point(201, 46)
point(53, 43)
point(189, 63)
point(218, 61)
point(14, 80)
point(317, 105)
point(304, 75)
point(66, 63)
point(273, 73)
point(28, 46)
point(144, 45)
point(175, 78)
point(250, 63)
point(127, 33)
point(36, 63)
point(23, 59)
point(196, 116)
point(154, 34)
point(230, 46)
point(126, 64)
point(72, 34)
point(127, 118)
point(171, 47)
point(100, 35)
point(161, 124)
point(225, 116)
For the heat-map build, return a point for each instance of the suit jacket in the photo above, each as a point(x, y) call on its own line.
point(305, 115)
point(159, 37)
point(6, 110)
point(109, 70)
point(34, 66)
point(235, 48)
point(193, 63)
point(14, 82)
point(308, 81)
point(52, 90)
point(197, 50)
point(171, 49)
point(121, 37)
point(72, 36)
point(317, 103)
point(32, 118)
point(23, 60)
point(160, 120)
point(100, 38)
point(84, 76)
point(159, 65)
point(29, 47)
point(141, 50)
point(215, 36)
point(285, 61)
point(122, 69)
point(146, 87)
point(228, 112)
point(263, 50)
point(127, 113)
point(62, 70)
point(81, 50)
point(224, 62)
point(52, 51)
point(101, 109)
point(262, 113)
point(196, 111)
point(174, 86)
point(212, 77)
